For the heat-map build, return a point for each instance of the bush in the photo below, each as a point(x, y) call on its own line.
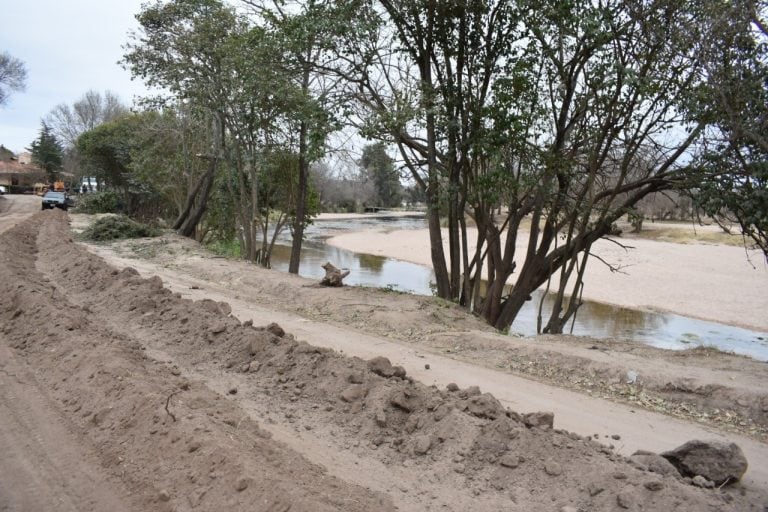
point(98, 202)
point(115, 227)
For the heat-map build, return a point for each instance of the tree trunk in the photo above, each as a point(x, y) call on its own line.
point(301, 202)
point(197, 201)
point(303, 192)
point(190, 224)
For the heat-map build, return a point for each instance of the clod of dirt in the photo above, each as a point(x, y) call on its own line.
point(542, 420)
point(510, 460)
point(627, 498)
point(723, 463)
point(422, 444)
point(654, 485)
point(275, 329)
point(218, 328)
point(242, 484)
point(353, 393)
point(215, 307)
point(383, 367)
point(654, 463)
point(552, 468)
point(700, 481)
point(404, 400)
point(484, 406)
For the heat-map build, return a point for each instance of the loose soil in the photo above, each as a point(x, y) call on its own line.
point(161, 385)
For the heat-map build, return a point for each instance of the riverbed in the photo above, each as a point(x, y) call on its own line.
point(662, 329)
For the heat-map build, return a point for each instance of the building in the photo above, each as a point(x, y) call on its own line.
point(18, 177)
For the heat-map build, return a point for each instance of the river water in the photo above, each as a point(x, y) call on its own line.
point(664, 330)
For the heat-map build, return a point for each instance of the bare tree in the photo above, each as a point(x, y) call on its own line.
point(13, 76)
point(69, 122)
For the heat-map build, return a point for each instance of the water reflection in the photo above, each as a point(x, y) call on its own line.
point(594, 319)
point(366, 269)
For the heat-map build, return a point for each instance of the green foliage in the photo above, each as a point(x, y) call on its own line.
point(98, 202)
point(729, 180)
point(379, 167)
point(105, 151)
point(47, 152)
point(114, 227)
point(229, 248)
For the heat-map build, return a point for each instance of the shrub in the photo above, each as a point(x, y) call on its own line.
point(98, 202)
point(115, 227)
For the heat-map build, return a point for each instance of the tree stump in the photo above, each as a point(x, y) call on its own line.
point(333, 275)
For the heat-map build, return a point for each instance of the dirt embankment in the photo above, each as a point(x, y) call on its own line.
point(171, 397)
point(705, 386)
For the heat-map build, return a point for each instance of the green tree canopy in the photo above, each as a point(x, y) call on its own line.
point(379, 168)
point(47, 152)
point(730, 182)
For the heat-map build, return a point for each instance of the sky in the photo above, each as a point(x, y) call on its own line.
point(69, 47)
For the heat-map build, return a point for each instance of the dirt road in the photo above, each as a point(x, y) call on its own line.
point(167, 403)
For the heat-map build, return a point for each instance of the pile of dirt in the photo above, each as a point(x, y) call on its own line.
point(168, 442)
point(162, 428)
point(710, 387)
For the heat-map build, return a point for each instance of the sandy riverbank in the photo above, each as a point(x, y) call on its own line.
point(710, 282)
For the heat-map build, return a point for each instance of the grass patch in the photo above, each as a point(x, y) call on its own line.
point(116, 227)
point(227, 248)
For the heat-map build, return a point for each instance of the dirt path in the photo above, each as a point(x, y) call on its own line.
point(16, 208)
point(190, 408)
point(44, 464)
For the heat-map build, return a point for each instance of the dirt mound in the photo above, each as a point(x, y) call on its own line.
point(165, 433)
point(171, 442)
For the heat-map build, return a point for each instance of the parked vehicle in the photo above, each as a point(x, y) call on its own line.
point(2, 190)
point(57, 200)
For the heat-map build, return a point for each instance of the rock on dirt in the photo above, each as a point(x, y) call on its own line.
point(722, 463)
point(383, 367)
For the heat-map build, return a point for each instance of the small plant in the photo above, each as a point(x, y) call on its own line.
point(392, 288)
point(114, 227)
point(227, 248)
point(98, 202)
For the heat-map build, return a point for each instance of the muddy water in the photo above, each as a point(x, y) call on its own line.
point(595, 319)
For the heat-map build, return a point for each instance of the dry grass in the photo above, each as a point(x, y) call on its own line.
point(681, 234)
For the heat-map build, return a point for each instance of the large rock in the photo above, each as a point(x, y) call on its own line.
point(722, 463)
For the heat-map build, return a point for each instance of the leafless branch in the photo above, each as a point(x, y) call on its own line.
point(616, 269)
